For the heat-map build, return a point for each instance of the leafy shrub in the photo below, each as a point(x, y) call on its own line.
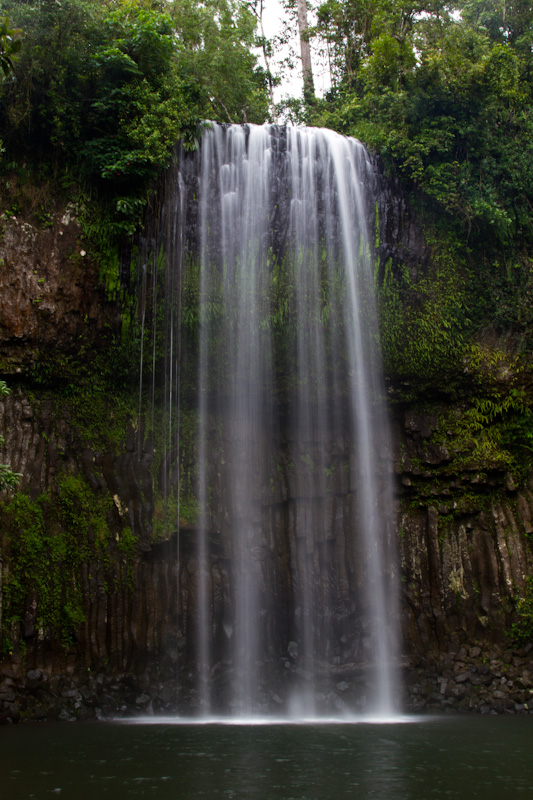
point(522, 630)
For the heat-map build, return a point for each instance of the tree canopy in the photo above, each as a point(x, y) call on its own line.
point(104, 88)
point(444, 93)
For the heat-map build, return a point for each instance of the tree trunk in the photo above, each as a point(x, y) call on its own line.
point(305, 50)
point(267, 63)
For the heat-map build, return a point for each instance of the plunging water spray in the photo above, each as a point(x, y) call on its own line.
point(291, 588)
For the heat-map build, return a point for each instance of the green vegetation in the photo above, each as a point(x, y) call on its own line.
point(102, 90)
point(47, 541)
point(8, 478)
point(425, 319)
point(52, 542)
point(9, 46)
point(443, 93)
point(478, 448)
point(521, 632)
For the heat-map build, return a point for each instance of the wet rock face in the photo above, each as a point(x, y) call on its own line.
point(460, 578)
point(43, 442)
point(460, 567)
point(128, 597)
point(49, 290)
point(400, 237)
point(465, 543)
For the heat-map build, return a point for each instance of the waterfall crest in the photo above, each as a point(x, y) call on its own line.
point(291, 570)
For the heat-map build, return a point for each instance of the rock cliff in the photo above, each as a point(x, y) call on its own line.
point(465, 515)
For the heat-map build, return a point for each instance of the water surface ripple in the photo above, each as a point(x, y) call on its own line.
point(449, 757)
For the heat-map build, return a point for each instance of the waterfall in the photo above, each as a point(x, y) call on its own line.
point(289, 567)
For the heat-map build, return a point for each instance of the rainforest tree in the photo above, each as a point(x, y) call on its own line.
point(103, 89)
point(443, 93)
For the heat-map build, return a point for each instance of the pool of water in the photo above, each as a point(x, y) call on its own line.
point(415, 759)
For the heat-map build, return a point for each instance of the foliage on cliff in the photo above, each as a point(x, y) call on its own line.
point(443, 93)
point(103, 89)
point(52, 544)
point(8, 478)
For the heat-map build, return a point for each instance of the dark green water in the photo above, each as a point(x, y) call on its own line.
point(466, 757)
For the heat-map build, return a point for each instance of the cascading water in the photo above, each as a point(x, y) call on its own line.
point(234, 278)
point(290, 582)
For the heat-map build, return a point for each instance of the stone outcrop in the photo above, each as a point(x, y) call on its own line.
point(465, 540)
point(400, 238)
point(52, 299)
point(493, 681)
point(466, 554)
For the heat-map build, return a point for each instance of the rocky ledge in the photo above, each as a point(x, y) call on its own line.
point(467, 681)
point(495, 682)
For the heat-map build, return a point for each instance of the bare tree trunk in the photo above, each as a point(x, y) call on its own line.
point(267, 63)
point(305, 50)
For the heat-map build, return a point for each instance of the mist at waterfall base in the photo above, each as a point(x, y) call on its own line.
point(287, 576)
point(463, 758)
